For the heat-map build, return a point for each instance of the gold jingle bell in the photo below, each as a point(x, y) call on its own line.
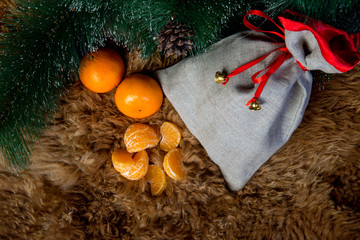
point(255, 105)
point(220, 77)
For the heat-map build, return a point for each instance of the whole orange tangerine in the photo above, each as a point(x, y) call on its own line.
point(101, 71)
point(139, 96)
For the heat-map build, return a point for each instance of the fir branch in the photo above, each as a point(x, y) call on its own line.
point(143, 19)
point(134, 24)
point(343, 14)
point(207, 19)
point(36, 62)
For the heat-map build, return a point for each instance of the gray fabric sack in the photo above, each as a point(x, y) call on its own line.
point(235, 138)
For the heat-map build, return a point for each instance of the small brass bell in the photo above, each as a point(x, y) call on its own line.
point(255, 105)
point(220, 77)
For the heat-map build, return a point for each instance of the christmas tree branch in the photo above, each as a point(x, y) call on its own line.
point(342, 14)
point(34, 73)
point(207, 19)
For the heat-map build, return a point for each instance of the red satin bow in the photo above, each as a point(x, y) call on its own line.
point(272, 67)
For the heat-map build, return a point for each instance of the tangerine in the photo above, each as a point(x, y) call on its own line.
point(101, 71)
point(170, 136)
point(157, 179)
point(131, 166)
point(140, 136)
point(173, 164)
point(138, 96)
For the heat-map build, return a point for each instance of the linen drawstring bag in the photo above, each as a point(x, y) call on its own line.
point(272, 77)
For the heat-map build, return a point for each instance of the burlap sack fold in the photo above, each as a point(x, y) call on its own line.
point(235, 138)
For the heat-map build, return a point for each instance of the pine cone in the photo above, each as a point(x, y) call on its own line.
point(174, 40)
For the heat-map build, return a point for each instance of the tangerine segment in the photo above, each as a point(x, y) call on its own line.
point(157, 179)
point(131, 166)
point(101, 71)
point(139, 96)
point(140, 136)
point(173, 164)
point(170, 136)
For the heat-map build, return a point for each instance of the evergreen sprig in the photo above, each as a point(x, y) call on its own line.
point(37, 57)
point(40, 56)
point(342, 14)
point(208, 20)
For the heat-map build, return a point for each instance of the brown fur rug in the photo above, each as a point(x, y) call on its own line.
point(310, 189)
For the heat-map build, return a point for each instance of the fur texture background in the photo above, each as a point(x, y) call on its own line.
point(310, 189)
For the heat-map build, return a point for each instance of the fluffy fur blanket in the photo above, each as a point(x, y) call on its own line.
point(310, 189)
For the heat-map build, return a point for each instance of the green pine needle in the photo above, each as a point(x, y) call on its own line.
point(207, 19)
point(34, 73)
point(343, 14)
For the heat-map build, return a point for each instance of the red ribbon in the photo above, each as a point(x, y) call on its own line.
point(272, 67)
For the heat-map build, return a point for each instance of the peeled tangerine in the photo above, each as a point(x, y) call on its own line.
point(170, 136)
point(140, 136)
point(131, 166)
point(173, 164)
point(157, 179)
